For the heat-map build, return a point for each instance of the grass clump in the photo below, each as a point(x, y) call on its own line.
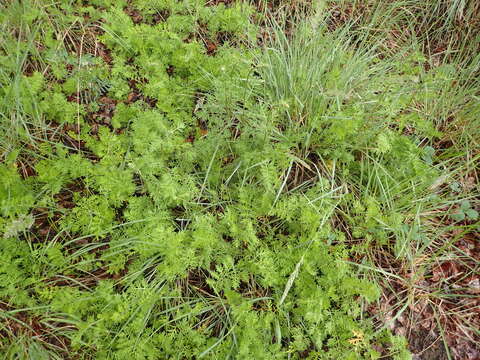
point(180, 186)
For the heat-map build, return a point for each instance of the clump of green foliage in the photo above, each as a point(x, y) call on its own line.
point(212, 214)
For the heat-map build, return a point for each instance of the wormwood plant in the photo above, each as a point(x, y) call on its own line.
point(193, 195)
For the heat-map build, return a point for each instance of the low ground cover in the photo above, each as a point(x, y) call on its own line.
point(245, 180)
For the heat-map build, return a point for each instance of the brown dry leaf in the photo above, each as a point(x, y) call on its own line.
point(445, 270)
point(211, 47)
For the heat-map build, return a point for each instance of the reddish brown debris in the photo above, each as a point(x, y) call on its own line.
point(134, 14)
point(20, 323)
point(443, 304)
